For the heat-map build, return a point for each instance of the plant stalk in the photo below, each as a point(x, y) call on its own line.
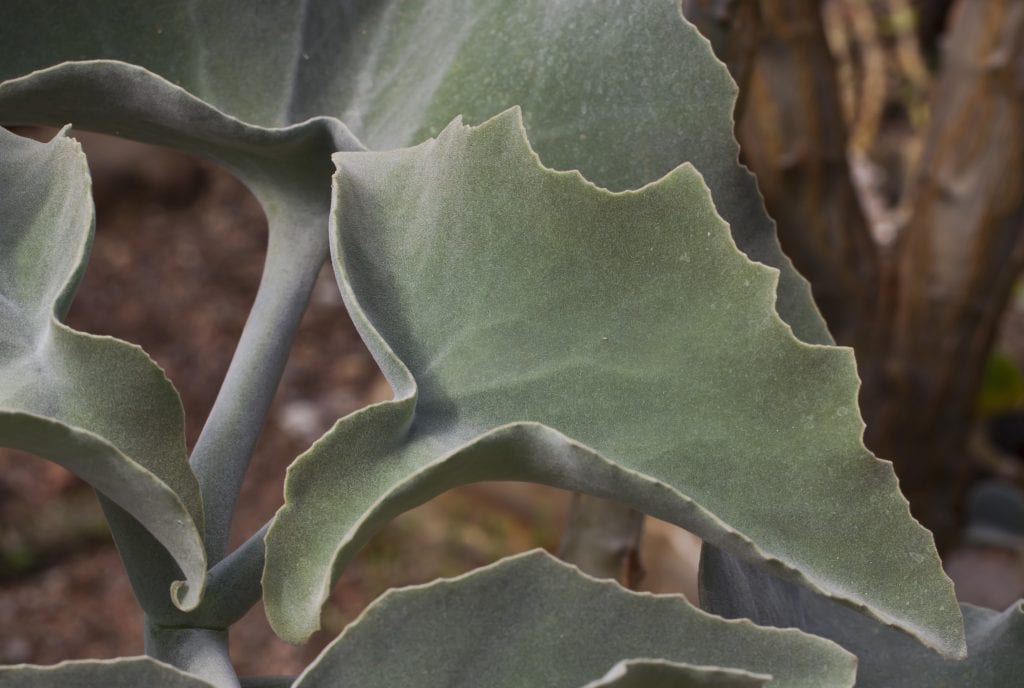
point(199, 651)
point(225, 446)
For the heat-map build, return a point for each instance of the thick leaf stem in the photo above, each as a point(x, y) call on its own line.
point(225, 446)
point(234, 584)
point(199, 651)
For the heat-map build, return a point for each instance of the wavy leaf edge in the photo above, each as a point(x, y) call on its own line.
point(404, 388)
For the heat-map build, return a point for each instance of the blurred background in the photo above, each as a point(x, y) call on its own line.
point(888, 141)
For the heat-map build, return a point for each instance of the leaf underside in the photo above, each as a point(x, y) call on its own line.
point(503, 625)
point(700, 410)
point(735, 589)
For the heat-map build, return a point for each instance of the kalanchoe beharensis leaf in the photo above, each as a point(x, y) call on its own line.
point(735, 589)
point(662, 674)
point(622, 91)
point(532, 620)
point(95, 405)
point(130, 672)
point(536, 327)
point(288, 170)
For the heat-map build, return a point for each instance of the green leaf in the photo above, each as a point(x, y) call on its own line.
point(131, 672)
point(531, 620)
point(624, 101)
point(661, 674)
point(95, 405)
point(288, 171)
point(535, 327)
point(622, 91)
point(886, 658)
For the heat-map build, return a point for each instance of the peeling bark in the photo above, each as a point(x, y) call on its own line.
point(958, 258)
point(793, 137)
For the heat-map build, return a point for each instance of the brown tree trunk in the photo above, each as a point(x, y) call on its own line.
point(957, 261)
point(733, 27)
point(932, 16)
point(922, 315)
point(793, 137)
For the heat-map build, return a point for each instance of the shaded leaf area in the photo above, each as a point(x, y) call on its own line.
point(735, 589)
point(661, 674)
point(130, 672)
point(509, 625)
point(535, 327)
point(96, 405)
point(621, 92)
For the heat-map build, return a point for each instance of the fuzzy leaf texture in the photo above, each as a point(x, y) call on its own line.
point(129, 672)
point(496, 617)
point(504, 627)
point(97, 406)
point(735, 589)
point(533, 326)
point(661, 674)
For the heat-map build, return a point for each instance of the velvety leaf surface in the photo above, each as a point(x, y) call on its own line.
point(735, 589)
point(535, 327)
point(358, 58)
point(97, 406)
point(288, 170)
point(132, 672)
point(531, 620)
point(382, 66)
point(622, 91)
point(661, 674)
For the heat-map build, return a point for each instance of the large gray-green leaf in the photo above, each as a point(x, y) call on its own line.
point(98, 406)
point(380, 64)
point(531, 620)
point(288, 171)
point(620, 90)
point(535, 327)
point(661, 674)
point(736, 589)
point(132, 672)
